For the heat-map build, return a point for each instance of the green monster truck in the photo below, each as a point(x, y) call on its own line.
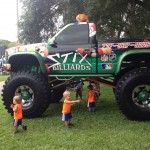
point(75, 53)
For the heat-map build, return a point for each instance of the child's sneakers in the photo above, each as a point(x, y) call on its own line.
point(70, 124)
point(16, 132)
point(24, 127)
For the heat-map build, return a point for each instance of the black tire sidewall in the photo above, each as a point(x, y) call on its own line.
point(56, 95)
point(124, 91)
point(34, 82)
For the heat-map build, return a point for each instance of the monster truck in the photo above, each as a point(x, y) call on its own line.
point(73, 53)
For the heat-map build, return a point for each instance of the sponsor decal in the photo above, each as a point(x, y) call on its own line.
point(145, 44)
point(142, 45)
point(107, 66)
point(104, 57)
point(112, 57)
point(71, 67)
point(92, 29)
point(74, 65)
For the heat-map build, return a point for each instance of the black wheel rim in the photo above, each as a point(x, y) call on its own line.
point(141, 96)
point(27, 96)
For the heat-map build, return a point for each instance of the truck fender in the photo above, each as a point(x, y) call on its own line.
point(127, 53)
point(27, 57)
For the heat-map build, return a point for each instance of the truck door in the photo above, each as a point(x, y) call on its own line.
point(71, 51)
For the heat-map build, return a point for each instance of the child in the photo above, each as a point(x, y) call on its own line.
point(17, 109)
point(66, 112)
point(78, 89)
point(96, 89)
point(91, 98)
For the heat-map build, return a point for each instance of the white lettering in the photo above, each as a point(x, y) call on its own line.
point(55, 67)
point(88, 68)
point(51, 57)
point(78, 67)
point(74, 58)
point(57, 55)
point(66, 57)
point(71, 67)
point(83, 67)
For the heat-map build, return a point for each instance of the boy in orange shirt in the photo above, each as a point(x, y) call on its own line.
point(96, 89)
point(17, 109)
point(91, 98)
point(66, 112)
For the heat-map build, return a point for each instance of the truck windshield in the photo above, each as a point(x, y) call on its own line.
point(74, 34)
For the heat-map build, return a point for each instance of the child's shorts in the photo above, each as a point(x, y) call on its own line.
point(66, 117)
point(19, 122)
point(91, 104)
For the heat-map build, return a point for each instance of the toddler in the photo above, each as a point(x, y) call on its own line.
point(91, 98)
point(17, 109)
point(66, 112)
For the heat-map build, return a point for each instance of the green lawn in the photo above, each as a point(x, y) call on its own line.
point(105, 129)
point(3, 77)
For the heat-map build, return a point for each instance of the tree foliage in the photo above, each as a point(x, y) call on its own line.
point(39, 20)
point(4, 44)
point(114, 19)
point(7, 44)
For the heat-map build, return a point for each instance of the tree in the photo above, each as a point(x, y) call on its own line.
point(39, 20)
point(4, 44)
point(114, 19)
point(7, 44)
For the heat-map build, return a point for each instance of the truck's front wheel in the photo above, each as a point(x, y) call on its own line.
point(32, 88)
point(57, 93)
point(133, 94)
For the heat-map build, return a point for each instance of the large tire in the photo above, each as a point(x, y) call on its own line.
point(119, 75)
point(133, 94)
point(33, 86)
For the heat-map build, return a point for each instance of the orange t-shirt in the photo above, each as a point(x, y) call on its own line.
point(18, 113)
point(91, 96)
point(66, 108)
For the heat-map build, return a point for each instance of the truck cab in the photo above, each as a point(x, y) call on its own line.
point(69, 51)
point(75, 50)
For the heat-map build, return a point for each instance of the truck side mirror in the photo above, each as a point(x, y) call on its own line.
point(54, 45)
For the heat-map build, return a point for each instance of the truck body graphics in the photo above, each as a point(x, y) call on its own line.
point(40, 71)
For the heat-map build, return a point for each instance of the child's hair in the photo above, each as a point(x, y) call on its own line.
point(17, 99)
point(90, 87)
point(66, 93)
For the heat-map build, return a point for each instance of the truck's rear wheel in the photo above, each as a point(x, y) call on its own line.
point(32, 88)
point(133, 94)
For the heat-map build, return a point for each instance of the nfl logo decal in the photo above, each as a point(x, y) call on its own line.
point(112, 57)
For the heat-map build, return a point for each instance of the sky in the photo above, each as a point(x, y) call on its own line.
point(8, 20)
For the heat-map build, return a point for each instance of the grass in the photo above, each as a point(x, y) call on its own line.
point(105, 129)
point(3, 77)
